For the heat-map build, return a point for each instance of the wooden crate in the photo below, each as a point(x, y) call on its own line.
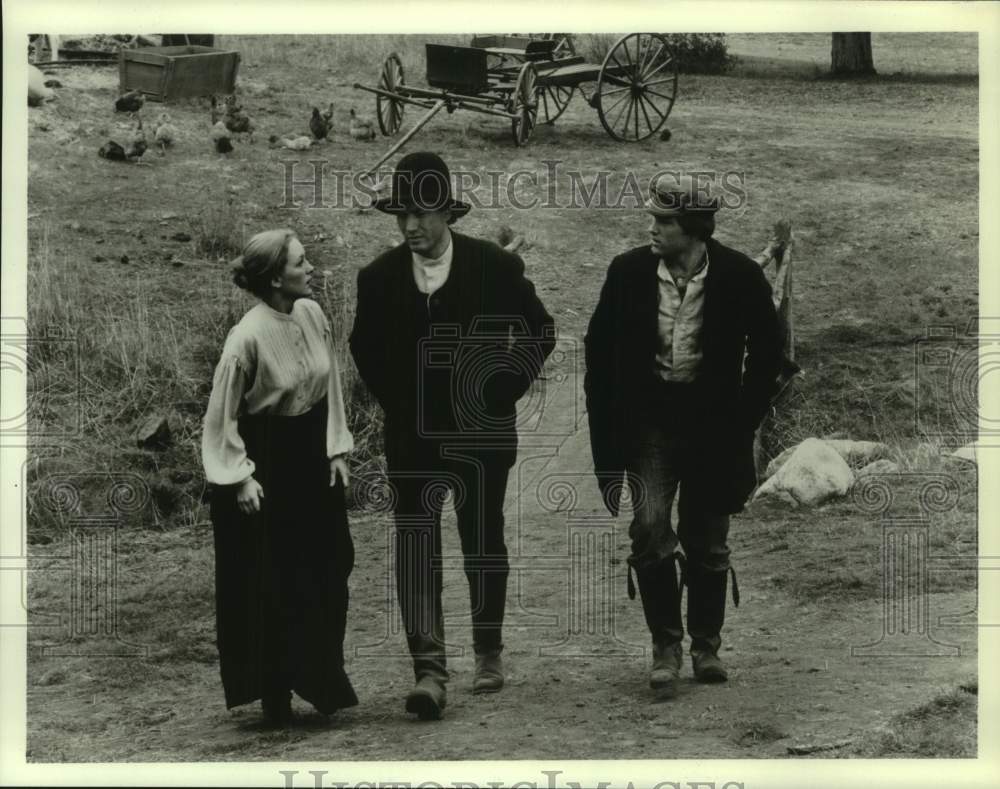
point(166, 73)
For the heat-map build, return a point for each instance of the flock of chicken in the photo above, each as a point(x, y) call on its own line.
point(229, 121)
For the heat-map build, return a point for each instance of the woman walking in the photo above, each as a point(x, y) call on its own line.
point(274, 445)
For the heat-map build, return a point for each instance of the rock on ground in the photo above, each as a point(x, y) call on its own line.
point(855, 453)
point(813, 473)
point(968, 452)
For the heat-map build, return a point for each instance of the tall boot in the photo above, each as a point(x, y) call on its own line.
point(661, 604)
point(706, 613)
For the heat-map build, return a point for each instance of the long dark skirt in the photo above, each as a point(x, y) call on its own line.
point(281, 574)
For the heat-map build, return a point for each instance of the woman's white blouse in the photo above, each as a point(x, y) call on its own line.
point(276, 364)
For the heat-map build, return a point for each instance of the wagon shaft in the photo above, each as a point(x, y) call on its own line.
point(518, 77)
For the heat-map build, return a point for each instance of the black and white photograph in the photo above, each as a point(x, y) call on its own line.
point(393, 402)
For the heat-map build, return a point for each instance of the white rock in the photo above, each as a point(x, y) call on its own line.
point(814, 473)
point(859, 452)
point(883, 466)
point(779, 461)
point(968, 452)
point(856, 453)
point(37, 92)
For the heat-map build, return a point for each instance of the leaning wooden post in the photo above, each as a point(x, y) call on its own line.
point(437, 107)
point(779, 252)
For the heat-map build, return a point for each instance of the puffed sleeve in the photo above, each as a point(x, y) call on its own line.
point(338, 436)
point(223, 453)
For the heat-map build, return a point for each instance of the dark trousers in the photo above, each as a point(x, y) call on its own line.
point(660, 451)
point(420, 486)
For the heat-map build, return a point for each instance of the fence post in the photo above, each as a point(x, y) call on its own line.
point(779, 252)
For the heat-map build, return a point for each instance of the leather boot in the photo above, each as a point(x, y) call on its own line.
point(661, 604)
point(706, 612)
point(428, 698)
point(489, 673)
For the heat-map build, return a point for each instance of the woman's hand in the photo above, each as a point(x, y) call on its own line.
point(249, 495)
point(338, 467)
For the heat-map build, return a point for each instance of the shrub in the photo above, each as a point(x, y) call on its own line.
point(701, 53)
point(695, 53)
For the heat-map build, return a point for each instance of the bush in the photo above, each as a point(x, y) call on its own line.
point(695, 53)
point(701, 53)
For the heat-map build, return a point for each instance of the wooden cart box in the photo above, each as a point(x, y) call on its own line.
point(166, 73)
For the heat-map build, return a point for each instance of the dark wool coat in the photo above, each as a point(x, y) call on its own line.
point(465, 355)
point(733, 391)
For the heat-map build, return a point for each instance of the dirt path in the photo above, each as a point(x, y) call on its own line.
point(577, 675)
point(575, 654)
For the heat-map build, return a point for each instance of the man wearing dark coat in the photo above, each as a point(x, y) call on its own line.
point(448, 335)
point(682, 352)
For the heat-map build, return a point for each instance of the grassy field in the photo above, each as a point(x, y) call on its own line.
point(130, 262)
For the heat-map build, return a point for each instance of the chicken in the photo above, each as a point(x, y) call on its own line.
point(112, 151)
point(508, 239)
point(328, 115)
point(130, 102)
point(237, 121)
point(319, 125)
point(164, 133)
point(220, 138)
point(361, 128)
point(294, 142)
point(136, 147)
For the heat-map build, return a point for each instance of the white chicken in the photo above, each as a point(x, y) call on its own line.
point(164, 133)
point(361, 128)
point(294, 142)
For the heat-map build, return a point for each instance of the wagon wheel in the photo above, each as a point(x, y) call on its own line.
point(523, 104)
point(553, 100)
point(390, 111)
point(637, 87)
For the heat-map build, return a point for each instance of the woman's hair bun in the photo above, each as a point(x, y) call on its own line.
point(239, 273)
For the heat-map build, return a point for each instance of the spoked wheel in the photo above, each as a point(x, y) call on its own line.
point(553, 100)
point(524, 104)
point(390, 111)
point(637, 87)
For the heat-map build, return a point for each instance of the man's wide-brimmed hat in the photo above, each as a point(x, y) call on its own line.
point(422, 182)
point(673, 195)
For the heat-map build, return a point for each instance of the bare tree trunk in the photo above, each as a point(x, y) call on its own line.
point(851, 55)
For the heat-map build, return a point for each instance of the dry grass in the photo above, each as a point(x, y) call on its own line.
point(141, 358)
point(943, 728)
